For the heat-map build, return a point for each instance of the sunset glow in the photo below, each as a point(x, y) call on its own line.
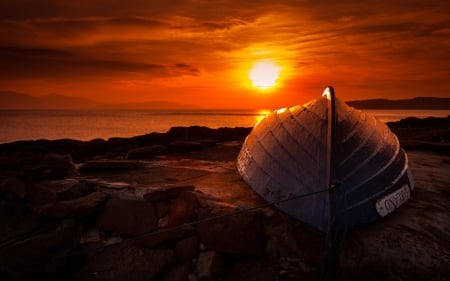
point(224, 54)
point(264, 75)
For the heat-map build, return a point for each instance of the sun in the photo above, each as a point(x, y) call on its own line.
point(264, 74)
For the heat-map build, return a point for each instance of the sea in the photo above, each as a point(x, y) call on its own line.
point(16, 125)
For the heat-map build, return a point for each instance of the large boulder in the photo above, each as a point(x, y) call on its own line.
point(130, 217)
point(51, 167)
point(41, 254)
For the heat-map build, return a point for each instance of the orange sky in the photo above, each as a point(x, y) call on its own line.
point(200, 52)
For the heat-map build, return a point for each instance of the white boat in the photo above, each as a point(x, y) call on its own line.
point(326, 162)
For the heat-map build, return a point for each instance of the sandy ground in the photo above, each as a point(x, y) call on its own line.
point(412, 243)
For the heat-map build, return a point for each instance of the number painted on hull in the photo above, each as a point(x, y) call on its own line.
point(392, 201)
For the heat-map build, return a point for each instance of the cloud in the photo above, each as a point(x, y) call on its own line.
point(17, 62)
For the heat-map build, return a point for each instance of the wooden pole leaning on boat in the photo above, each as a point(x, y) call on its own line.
point(335, 233)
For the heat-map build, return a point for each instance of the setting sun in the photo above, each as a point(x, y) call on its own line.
point(264, 74)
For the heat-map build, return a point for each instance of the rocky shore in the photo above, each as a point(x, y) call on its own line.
point(171, 206)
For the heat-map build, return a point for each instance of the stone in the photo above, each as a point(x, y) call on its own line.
point(209, 265)
point(179, 273)
point(185, 146)
point(13, 186)
point(130, 217)
point(38, 254)
point(76, 208)
point(183, 209)
point(53, 167)
point(127, 262)
point(187, 248)
point(147, 152)
point(166, 192)
point(51, 191)
point(167, 236)
point(281, 236)
point(238, 235)
point(162, 208)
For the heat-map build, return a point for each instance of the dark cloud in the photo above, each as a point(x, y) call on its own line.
point(48, 63)
point(30, 9)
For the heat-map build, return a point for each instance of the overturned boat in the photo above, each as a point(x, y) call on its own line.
point(326, 163)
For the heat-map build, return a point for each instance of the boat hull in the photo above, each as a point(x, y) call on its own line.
point(342, 172)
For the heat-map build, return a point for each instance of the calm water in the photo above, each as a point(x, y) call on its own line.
point(86, 125)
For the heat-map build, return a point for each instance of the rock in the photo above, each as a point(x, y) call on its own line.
point(209, 265)
point(167, 237)
point(13, 186)
point(76, 208)
point(38, 254)
point(48, 192)
point(147, 152)
point(252, 270)
point(179, 273)
point(131, 217)
point(162, 208)
point(166, 192)
point(187, 248)
point(281, 240)
point(186, 146)
point(183, 209)
point(127, 262)
point(51, 167)
point(239, 235)
point(105, 164)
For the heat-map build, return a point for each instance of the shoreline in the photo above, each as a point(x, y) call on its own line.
point(92, 201)
point(427, 134)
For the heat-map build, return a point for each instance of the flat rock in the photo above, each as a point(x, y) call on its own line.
point(131, 217)
point(147, 152)
point(106, 164)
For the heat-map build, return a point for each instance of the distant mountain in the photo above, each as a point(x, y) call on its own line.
point(414, 103)
point(11, 100)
